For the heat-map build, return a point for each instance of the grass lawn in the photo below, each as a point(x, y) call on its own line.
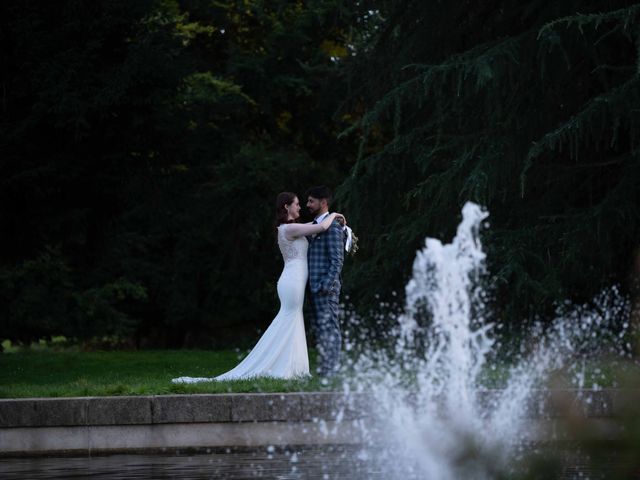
point(49, 373)
point(66, 374)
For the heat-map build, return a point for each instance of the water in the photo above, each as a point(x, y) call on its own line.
point(428, 418)
point(312, 463)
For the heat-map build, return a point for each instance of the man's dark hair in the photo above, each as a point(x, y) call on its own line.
point(320, 192)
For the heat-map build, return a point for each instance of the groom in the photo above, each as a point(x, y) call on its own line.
point(325, 257)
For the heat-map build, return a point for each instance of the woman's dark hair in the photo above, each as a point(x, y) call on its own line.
point(282, 200)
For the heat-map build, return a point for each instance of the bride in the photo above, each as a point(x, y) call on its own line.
point(281, 352)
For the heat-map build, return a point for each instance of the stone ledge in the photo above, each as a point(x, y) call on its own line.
point(189, 409)
point(129, 438)
point(562, 403)
point(39, 426)
point(268, 407)
point(164, 409)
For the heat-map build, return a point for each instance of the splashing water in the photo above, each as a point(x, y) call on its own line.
point(432, 419)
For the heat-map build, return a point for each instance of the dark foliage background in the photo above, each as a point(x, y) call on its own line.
point(529, 109)
point(143, 143)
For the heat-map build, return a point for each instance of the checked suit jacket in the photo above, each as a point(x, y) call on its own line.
point(325, 258)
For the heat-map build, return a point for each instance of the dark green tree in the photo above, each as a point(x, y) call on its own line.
point(530, 110)
point(145, 142)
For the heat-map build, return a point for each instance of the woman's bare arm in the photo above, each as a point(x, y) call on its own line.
point(295, 230)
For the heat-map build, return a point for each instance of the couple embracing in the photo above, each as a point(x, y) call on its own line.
point(313, 254)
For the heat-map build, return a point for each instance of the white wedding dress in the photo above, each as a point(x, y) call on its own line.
point(281, 352)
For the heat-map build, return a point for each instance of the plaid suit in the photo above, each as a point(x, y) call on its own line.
point(325, 257)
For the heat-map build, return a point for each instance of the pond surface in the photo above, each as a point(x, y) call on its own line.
point(309, 463)
point(328, 462)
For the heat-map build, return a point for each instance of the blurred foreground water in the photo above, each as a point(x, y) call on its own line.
point(429, 417)
point(328, 462)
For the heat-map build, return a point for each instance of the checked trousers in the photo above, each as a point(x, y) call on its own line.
point(326, 329)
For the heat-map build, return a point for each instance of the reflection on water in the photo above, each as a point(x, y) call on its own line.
point(328, 462)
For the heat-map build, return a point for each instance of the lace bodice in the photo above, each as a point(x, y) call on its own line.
point(292, 249)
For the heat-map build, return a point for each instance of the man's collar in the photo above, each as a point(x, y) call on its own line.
point(320, 218)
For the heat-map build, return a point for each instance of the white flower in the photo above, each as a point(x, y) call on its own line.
point(351, 245)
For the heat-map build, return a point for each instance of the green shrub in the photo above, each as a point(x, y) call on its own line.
point(36, 297)
point(97, 310)
point(40, 299)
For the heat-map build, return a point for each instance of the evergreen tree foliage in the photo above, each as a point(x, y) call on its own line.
point(145, 143)
point(530, 110)
point(142, 145)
